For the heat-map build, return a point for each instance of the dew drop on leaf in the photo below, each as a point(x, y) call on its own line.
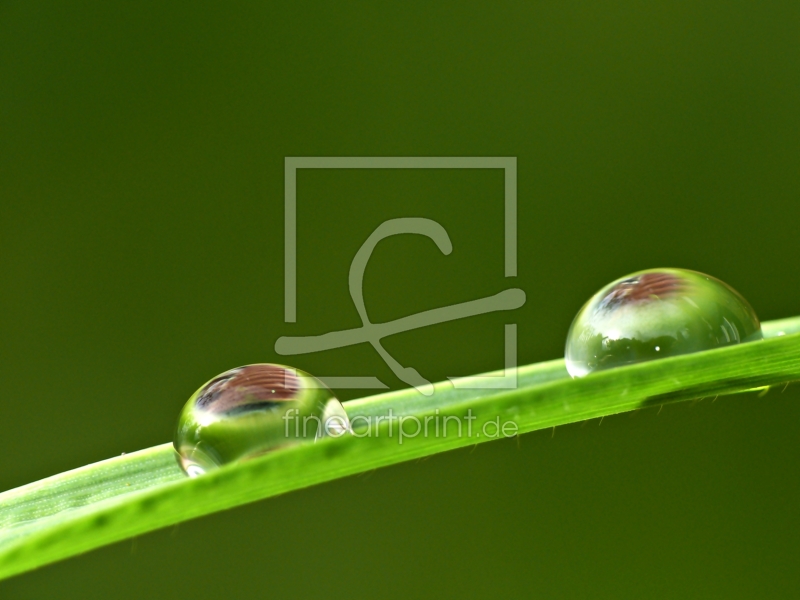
point(251, 410)
point(657, 314)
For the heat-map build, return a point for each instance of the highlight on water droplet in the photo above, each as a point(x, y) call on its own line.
point(656, 314)
point(251, 410)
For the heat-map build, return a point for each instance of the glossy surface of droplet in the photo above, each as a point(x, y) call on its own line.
point(654, 314)
point(250, 410)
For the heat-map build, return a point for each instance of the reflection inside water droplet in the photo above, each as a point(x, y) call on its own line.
point(655, 314)
point(254, 409)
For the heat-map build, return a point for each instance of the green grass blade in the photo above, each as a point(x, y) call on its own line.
point(105, 502)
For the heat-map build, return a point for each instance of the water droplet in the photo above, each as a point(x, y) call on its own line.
point(250, 410)
point(657, 314)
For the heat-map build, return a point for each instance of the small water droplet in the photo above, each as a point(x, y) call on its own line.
point(656, 314)
point(250, 410)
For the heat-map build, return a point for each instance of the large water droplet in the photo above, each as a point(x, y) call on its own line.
point(251, 410)
point(654, 314)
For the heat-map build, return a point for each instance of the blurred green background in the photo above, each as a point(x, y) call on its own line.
point(142, 151)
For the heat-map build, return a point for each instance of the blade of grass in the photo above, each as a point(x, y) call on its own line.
point(129, 495)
